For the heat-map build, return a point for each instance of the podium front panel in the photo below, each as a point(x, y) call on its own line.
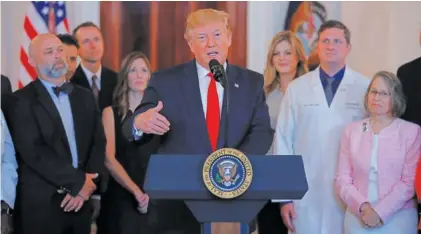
point(179, 177)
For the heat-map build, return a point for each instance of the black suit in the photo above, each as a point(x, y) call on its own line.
point(105, 99)
point(6, 91)
point(6, 87)
point(108, 83)
point(45, 160)
point(178, 89)
point(410, 76)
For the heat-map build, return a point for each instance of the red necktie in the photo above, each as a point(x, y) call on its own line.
point(212, 113)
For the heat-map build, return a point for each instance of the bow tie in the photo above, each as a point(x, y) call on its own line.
point(65, 88)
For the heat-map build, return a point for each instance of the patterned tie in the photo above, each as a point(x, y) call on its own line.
point(212, 113)
point(329, 90)
point(95, 89)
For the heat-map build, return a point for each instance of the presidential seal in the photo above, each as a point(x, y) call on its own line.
point(227, 173)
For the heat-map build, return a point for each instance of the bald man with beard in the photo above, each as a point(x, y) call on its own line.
point(60, 146)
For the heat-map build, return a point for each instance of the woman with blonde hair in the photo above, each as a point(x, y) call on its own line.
point(124, 205)
point(285, 61)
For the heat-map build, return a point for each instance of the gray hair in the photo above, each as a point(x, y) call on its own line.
point(396, 92)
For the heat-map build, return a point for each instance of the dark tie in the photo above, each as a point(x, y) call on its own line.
point(329, 90)
point(95, 89)
point(212, 113)
point(65, 88)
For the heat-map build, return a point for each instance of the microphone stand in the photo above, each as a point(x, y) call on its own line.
point(206, 227)
point(220, 76)
point(227, 102)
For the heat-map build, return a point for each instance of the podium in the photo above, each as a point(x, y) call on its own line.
point(179, 177)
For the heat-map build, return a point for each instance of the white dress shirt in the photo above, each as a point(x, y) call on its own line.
point(204, 81)
point(89, 75)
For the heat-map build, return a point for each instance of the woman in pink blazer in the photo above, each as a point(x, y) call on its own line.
point(377, 162)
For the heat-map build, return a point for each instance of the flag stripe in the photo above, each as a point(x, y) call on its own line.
point(29, 28)
point(25, 62)
point(61, 28)
point(20, 85)
point(40, 17)
point(25, 78)
point(35, 18)
point(66, 25)
point(26, 42)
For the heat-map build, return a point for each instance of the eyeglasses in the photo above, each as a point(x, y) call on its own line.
point(381, 94)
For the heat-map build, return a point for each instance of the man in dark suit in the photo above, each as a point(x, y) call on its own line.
point(60, 146)
point(6, 87)
point(95, 77)
point(6, 92)
point(184, 104)
point(410, 77)
point(90, 73)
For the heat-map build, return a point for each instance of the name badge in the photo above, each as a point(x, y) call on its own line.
point(353, 106)
point(311, 104)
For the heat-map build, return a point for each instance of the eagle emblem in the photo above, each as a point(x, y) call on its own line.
point(227, 173)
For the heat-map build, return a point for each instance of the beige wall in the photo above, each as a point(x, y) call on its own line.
point(384, 34)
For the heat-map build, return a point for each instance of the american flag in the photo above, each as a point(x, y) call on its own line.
point(41, 17)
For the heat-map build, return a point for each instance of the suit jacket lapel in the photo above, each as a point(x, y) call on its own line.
point(191, 90)
point(48, 104)
point(232, 77)
point(80, 78)
point(106, 87)
point(79, 113)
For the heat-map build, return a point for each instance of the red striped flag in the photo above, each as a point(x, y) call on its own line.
point(41, 17)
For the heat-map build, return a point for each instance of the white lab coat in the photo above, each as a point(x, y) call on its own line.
point(307, 126)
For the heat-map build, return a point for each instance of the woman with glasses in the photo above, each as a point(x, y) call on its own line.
point(377, 162)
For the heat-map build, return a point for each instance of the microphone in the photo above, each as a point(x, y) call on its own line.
point(218, 72)
point(220, 76)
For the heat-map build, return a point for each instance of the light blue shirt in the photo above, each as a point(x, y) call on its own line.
point(9, 165)
point(62, 103)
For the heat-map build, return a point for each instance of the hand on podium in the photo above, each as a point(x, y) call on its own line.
point(152, 122)
point(288, 214)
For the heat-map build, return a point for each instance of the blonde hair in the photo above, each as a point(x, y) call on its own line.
point(204, 16)
point(396, 92)
point(121, 92)
point(271, 76)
